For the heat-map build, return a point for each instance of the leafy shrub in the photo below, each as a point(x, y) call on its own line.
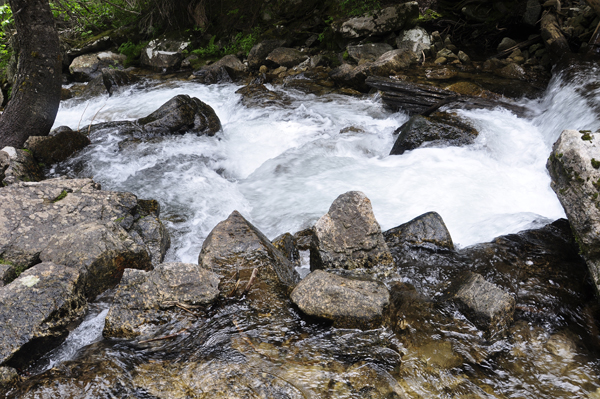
point(240, 42)
point(132, 51)
point(358, 7)
point(6, 23)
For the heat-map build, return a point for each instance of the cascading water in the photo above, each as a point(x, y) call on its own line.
point(281, 167)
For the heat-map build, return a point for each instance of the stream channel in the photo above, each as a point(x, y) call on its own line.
point(282, 167)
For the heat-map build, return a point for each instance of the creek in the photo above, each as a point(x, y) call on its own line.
point(282, 167)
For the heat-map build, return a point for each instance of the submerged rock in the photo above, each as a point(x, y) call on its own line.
point(425, 231)
point(440, 129)
point(574, 168)
point(145, 300)
point(58, 146)
point(35, 311)
point(347, 302)
point(74, 223)
point(248, 263)
point(182, 114)
point(18, 166)
point(348, 236)
point(485, 304)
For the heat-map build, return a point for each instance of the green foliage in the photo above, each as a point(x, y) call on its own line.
point(429, 15)
point(240, 42)
point(61, 196)
point(355, 8)
point(6, 23)
point(211, 50)
point(131, 51)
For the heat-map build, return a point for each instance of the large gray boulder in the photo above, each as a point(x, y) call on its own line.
point(235, 249)
point(225, 70)
point(182, 114)
point(425, 231)
point(485, 304)
point(438, 130)
point(36, 309)
point(144, 299)
point(258, 54)
point(574, 168)
point(416, 40)
point(74, 223)
point(368, 52)
point(286, 57)
point(381, 22)
point(58, 146)
point(163, 55)
point(348, 236)
point(18, 165)
point(89, 66)
point(347, 302)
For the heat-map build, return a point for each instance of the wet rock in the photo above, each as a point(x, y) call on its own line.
point(149, 231)
point(346, 302)
point(144, 300)
point(35, 311)
point(440, 129)
point(95, 88)
point(258, 54)
point(287, 57)
point(286, 243)
point(227, 69)
point(348, 236)
point(182, 114)
point(18, 166)
point(463, 57)
point(116, 80)
point(416, 40)
point(379, 22)
point(512, 71)
point(163, 55)
point(58, 146)
point(304, 239)
point(574, 168)
point(257, 95)
point(368, 52)
point(485, 304)
point(234, 249)
point(441, 74)
point(347, 75)
point(425, 231)
point(89, 66)
point(73, 223)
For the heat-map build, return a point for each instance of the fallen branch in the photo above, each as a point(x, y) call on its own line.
point(251, 281)
point(526, 43)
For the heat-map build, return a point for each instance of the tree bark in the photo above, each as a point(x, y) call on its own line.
point(36, 89)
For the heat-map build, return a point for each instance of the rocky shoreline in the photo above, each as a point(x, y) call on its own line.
point(63, 242)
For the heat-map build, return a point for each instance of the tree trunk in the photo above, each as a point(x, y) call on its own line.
point(36, 89)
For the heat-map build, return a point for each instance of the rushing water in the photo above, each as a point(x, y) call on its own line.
point(281, 167)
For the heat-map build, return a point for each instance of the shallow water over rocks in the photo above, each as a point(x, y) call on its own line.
point(282, 168)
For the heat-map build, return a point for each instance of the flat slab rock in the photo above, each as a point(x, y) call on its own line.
point(348, 236)
point(143, 300)
point(574, 167)
point(486, 305)
point(74, 223)
point(36, 309)
point(347, 302)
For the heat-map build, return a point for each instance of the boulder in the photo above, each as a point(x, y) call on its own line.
point(512, 71)
point(257, 95)
point(116, 80)
point(485, 304)
point(17, 166)
point(58, 146)
point(348, 236)
point(574, 168)
point(379, 22)
point(286, 243)
point(74, 223)
point(258, 54)
point(163, 55)
point(506, 43)
point(368, 52)
point(225, 70)
point(287, 57)
point(143, 300)
point(89, 66)
point(349, 76)
point(36, 310)
point(425, 231)
point(416, 40)
point(438, 130)
point(347, 302)
point(237, 251)
point(182, 114)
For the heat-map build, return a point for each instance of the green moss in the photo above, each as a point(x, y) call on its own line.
point(19, 269)
point(119, 220)
point(595, 164)
point(5, 262)
point(61, 196)
point(27, 150)
point(586, 137)
point(595, 196)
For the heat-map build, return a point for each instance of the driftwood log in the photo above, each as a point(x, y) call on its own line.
point(554, 39)
point(419, 99)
